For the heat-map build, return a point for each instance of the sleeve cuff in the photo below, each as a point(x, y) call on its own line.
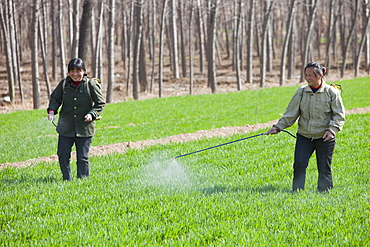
point(332, 130)
point(49, 110)
point(94, 115)
point(277, 126)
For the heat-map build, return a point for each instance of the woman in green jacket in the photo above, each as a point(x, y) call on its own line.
point(320, 113)
point(81, 102)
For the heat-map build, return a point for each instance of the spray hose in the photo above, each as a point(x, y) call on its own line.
point(289, 133)
point(223, 144)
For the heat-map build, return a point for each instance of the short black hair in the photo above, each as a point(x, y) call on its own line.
point(76, 63)
point(318, 69)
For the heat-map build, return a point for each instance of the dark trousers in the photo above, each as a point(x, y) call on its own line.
point(324, 153)
point(82, 152)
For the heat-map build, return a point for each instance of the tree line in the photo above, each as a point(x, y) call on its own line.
point(192, 36)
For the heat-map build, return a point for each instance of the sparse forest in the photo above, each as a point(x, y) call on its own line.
point(138, 46)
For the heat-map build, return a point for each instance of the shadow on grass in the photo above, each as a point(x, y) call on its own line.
point(224, 189)
point(33, 180)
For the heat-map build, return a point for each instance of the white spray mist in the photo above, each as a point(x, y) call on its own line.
point(168, 173)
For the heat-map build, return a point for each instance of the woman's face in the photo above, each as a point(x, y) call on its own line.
point(76, 74)
point(312, 79)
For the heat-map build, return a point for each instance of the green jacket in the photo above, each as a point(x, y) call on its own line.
point(76, 102)
point(317, 112)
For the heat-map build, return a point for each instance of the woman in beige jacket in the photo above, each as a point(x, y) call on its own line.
point(321, 114)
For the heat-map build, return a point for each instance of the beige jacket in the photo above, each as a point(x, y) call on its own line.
point(317, 112)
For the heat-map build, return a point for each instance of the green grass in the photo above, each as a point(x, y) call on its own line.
point(237, 194)
point(27, 134)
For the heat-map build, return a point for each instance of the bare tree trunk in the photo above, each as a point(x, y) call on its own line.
point(317, 44)
point(84, 46)
point(334, 40)
point(142, 65)
point(54, 40)
point(136, 55)
point(4, 14)
point(200, 24)
point(169, 41)
point(130, 32)
point(96, 63)
point(70, 27)
point(363, 39)
point(211, 46)
point(76, 30)
point(350, 37)
point(292, 52)
point(46, 29)
point(99, 57)
point(154, 42)
point(111, 51)
point(12, 39)
point(269, 46)
point(93, 34)
point(237, 45)
point(291, 19)
point(268, 7)
point(124, 42)
point(173, 33)
point(235, 13)
point(250, 42)
point(182, 36)
point(15, 45)
point(367, 41)
point(329, 36)
point(227, 35)
point(61, 41)
point(160, 69)
point(21, 33)
point(191, 48)
point(309, 36)
point(34, 56)
point(258, 44)
point(343, 29)
point(354, 45)
point(242, 35)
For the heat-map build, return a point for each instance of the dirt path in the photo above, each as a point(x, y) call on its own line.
point(122, 147)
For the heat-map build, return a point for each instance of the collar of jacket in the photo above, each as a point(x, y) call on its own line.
point(308, 89)
point(70, 81)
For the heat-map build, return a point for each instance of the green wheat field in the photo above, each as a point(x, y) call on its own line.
point(234, 195)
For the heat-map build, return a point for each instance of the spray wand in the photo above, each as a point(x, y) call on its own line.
point(223, 144)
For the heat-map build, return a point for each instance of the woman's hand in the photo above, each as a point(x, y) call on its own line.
point(51, 116)
point(329, 135)
point(274, 130)
point(88, 118)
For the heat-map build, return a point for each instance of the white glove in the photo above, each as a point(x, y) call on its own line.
point(51, 116)
point(88, 118)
